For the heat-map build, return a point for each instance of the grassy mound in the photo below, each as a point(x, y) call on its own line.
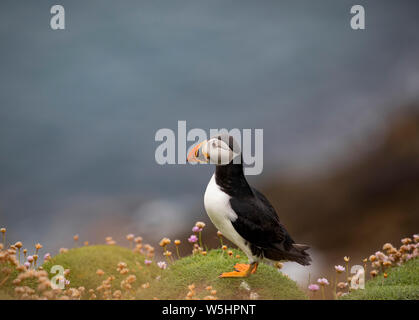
point(7, 289)
point(203, 271)
point(171, 283)
point(85, 261)
point(402, 283)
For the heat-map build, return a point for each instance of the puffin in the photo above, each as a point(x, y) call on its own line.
point(240, 212)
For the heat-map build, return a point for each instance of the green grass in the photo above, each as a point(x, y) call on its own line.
point(171, 283)
point(85, 261)
point(203, 271)
point(402, 283)
point(7, 289)
point(5, 296)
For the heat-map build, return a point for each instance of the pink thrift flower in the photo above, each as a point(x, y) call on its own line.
point(162, 265)
point(27, 265)
point(381, 256)
point(30, 258)
point(193, 238)
point(196, 229)
point(147, 262)
point(313, 287)
point(323, 281)
point(339, 269)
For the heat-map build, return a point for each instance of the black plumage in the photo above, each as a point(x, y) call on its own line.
point(257, 221)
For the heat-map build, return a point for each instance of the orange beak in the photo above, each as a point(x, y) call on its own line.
point(194, 154)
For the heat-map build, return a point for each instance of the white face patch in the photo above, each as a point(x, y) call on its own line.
point(218, 151)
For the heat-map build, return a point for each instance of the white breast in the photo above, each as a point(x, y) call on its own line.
point(217, 205)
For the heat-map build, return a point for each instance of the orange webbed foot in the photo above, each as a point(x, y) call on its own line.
point(244, 267)
point(241, 271)
point(234, 274)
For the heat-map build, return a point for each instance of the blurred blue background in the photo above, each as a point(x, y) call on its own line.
point(79, 108)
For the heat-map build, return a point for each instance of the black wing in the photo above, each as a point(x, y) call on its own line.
point(258, 222)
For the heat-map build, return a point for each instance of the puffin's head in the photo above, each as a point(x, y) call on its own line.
point(220, 150)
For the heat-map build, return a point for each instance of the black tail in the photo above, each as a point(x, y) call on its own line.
point(301, 256)
point(295, 252)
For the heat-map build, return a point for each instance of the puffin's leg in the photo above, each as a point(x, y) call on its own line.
point(245, 272)
point(255, 267)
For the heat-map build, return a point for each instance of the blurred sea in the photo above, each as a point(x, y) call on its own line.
point(80, 107)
